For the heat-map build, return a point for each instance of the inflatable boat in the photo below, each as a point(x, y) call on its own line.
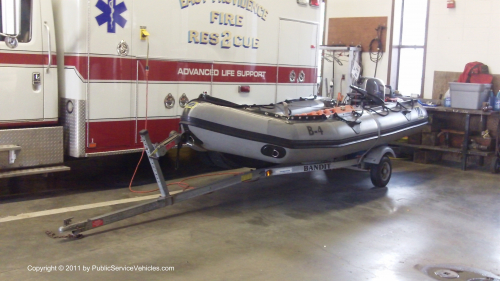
point(298, 131)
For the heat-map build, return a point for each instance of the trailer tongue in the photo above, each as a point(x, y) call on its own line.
point(375, 160)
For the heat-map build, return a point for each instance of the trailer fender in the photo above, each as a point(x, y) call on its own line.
point(376, 154)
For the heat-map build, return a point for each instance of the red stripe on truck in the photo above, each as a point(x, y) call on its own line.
point(203, 72)
point(26, 59)
point(124, 69)
point(103, 68)
point(284, 74)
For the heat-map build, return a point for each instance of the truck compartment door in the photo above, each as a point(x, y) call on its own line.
point(111, 84)
point(297, 59)
point(21, 70)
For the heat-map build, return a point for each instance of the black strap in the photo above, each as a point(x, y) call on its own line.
point(350, 123)
point(469, 75)
point(179, 147)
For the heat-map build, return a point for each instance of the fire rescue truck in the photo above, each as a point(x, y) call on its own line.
point(81, 78)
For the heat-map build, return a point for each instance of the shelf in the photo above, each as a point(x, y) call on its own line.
point(339, 48)
point(445, 149)
point(460, 110)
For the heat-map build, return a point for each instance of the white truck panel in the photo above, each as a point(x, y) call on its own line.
point(71, 26)
point(72, 85)
point(157, 93)
point(298, 43)
point(169, 26)
point(17, 92)
point(111, 101)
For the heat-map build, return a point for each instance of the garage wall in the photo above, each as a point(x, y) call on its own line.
point(361, 8)
point(461, 35)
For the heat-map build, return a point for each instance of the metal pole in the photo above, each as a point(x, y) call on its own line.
point(155, 165)
point(465, 143)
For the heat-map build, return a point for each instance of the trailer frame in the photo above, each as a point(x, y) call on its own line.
point(363, 162)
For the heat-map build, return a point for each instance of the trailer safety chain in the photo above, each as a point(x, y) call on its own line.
point(68, 236)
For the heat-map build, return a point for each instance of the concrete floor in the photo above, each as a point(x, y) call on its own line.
point(313, 226)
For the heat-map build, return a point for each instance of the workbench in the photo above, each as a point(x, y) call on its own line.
point(467, 114)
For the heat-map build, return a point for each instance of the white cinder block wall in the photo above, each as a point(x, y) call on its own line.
point(469, 32)
point(360, 8)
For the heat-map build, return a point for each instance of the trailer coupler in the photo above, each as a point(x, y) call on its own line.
point(122, 214)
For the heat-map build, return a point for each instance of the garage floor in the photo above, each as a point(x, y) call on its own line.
point(313, 226)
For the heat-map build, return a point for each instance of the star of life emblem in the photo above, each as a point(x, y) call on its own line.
point(111, 14)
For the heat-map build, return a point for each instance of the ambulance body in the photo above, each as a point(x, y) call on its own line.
point(75, 81)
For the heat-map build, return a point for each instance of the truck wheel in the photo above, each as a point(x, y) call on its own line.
point(381, 173)
point(495, 165)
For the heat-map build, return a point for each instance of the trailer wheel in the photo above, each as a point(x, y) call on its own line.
point(381, 173)
point(495, 165)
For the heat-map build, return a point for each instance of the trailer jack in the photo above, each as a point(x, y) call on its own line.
point(167, 198)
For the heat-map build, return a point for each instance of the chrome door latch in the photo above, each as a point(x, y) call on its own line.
point(37, 79)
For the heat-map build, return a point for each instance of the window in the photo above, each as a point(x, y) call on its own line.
point(25, 30)
point(408, 46)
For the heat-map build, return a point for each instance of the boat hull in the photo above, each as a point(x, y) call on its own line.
point(280, 139)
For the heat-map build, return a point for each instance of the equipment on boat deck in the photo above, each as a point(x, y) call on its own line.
point(374, 86)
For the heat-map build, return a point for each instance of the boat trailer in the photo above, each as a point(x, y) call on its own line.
point(375, 160)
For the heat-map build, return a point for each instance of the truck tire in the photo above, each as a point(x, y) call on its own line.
point(380, 173)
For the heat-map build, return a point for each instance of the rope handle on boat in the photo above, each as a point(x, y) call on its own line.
point(225, 103)
point(357, 113)
point(403, 109)
point(384, 109)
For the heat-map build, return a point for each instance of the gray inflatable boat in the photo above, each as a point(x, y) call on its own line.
point(297, 131)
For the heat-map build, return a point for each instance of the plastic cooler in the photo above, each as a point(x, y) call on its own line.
point(468, 95)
